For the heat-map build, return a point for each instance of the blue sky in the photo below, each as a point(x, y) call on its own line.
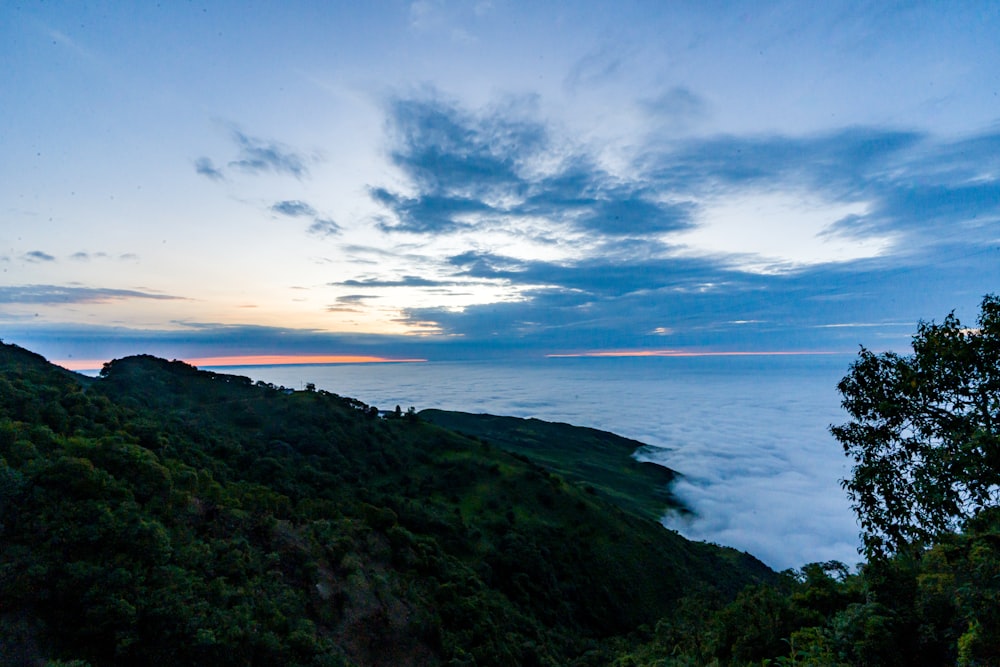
point(439, 180)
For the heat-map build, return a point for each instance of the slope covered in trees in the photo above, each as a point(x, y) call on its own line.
point(603, 462)
point(165, 514)
point(924, 439)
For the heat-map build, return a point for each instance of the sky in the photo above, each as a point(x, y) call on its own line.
point(452, 180)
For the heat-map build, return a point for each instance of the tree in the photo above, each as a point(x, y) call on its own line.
point(923, 433)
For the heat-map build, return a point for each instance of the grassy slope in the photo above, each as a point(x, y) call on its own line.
point(167, 514)
point(592, 458)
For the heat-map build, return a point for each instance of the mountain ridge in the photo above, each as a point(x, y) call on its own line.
point(161, 512)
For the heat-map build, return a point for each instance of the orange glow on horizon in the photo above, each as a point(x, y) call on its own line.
point(680, 353)
point(254, 360)
point(295, 359)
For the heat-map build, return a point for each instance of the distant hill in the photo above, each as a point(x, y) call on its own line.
point(162, 514)
point(601, 462)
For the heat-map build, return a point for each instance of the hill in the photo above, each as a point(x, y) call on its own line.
point(602, 462)
point(164, 514)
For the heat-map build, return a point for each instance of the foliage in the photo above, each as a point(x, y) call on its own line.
point(941, 607)
point(924, 439)
point(603, 463)
point(924, 433)
point(165, 514)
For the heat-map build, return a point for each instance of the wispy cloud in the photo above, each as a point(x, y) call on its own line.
point(84, 256)
point(324, 227)
point(503, 165)
point(186, 340)
point(405, 281)
point(56, 294)
point(825, 218)
point(680, 106)
point(256, 156)
point(468, 169)
point(349, 303)
point(595, 67)
point(205, 167)
point(293, 208)
point(456, 20)
point(260, 155)
point(36, 256)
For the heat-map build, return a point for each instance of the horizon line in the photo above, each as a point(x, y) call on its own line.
point(233, 361)
point(686, 353)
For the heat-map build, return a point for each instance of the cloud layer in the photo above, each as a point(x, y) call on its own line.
point(61, 295)
point(603, 254)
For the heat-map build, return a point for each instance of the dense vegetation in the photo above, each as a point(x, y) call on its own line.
point(604, 462)
point(165, 514)
point(924, 439)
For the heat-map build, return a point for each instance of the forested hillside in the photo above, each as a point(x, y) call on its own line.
point(164, 515)
point(161, 514)
point(603, 462)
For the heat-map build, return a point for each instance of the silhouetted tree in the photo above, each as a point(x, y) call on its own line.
point(924, 432)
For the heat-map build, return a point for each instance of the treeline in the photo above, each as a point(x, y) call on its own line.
point(160, 514)
point(940, 607)
point(923, 437)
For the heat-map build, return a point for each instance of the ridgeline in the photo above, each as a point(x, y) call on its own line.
point(162, 514)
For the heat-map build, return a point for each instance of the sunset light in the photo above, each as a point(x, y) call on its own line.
point(253, 360)
point(686, 353)
point(499, 332)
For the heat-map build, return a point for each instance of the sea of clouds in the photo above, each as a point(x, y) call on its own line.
point(749, 434)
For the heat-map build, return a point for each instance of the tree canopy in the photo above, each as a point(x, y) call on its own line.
point(923, 433)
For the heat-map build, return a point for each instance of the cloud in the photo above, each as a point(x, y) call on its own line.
point(349, 303)
point(54, 294)
point(454, 19)
point(258, 156)
point(911, 185)
point(501, 169)
point(426, 214)
point(682, 235)
point(617, 305)
point(446, 149)
point(205, 167)
point(293, 208)
point(197, 339)
point(679, 106)
point(405, 281)
point(838, 161)
point(324, 227)
point(354, 298)
point(83, 256)
point(473, 169)
point(36, 256)
point(595, 68)
point(629, 213)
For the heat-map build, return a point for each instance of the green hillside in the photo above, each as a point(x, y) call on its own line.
point(161, 514)
point(601, 462)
